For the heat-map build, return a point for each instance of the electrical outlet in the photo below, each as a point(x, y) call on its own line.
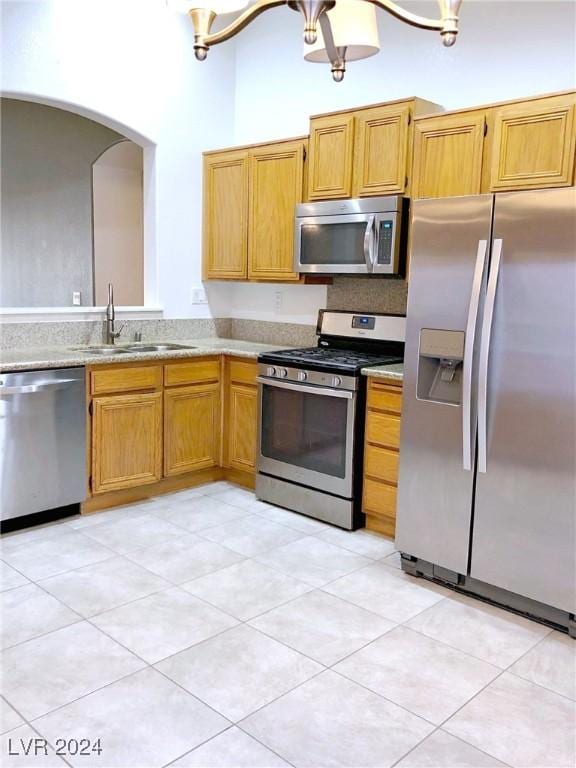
point(199, 296)
point(76, 298)
point(278, 300)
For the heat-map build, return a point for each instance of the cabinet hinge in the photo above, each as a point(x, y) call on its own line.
point(305, 154)
point(90, 483)
point(91, 408)
point(409, 117)
point(405, 181)
point(485, 128)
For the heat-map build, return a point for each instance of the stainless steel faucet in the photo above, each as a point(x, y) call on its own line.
point(111, 334)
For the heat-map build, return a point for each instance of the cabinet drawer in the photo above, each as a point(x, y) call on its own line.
point(381, 463)
point(379, 499)
point(195, 372)
point(385, 397)
point(125, 379)
point(243, 371)
point(383, 429)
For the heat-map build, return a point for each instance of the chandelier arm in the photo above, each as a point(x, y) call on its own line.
point(447, 23)
point(335, 54)
point(241, 22)
point(331, 48)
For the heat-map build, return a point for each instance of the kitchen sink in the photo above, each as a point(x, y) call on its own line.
point(143, 347)
point(101, 350)
point(124, 349)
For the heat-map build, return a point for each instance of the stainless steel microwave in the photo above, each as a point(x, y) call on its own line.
point(351, 237)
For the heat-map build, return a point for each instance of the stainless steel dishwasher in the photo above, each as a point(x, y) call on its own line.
point(42, 440)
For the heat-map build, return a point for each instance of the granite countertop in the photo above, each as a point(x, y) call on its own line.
point(391, 371)
point(32, 358)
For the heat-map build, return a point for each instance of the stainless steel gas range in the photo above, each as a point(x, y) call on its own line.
point(311, 415)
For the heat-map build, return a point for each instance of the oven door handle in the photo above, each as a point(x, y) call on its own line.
point(342, 393)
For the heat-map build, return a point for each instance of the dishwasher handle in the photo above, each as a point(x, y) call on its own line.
point(31, 389)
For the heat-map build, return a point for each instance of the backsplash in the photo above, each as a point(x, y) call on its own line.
point(18, 335)
point(368, 294)
point(265, 332)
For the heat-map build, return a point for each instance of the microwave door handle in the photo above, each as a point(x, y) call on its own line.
point(469, 340)
point(369, 243)
point(484, 356)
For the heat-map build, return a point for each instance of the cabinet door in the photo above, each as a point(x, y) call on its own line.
point(381, 157)
point(225, 235)
point(191, 428)
point(126, 441)
point(242, 427)
point(533, 146)
point(331, 157)
point(276, 178)
point(448, 155)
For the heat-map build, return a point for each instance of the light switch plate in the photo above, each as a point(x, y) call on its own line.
point(199, 296)
point(76, 298)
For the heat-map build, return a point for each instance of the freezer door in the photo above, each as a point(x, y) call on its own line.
point(524, 519)
point(445, 298)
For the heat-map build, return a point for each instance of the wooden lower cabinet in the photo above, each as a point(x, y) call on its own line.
point(192, 420)
point(241, 416)
point(381, 454)
point(191, 428)
point(126, 441)
point(242, 428)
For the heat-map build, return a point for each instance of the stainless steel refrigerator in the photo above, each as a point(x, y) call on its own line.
point(486, 497)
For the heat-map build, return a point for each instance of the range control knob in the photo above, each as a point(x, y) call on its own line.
point(302, 375)
point(271, 371)
point(336, 381)
point(282, 372)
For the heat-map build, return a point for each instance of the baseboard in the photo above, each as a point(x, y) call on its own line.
point(143, 492)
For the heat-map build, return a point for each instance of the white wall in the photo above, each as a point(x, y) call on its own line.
point(130, 64)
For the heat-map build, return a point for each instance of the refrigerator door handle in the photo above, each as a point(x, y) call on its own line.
point(484, 355)
point(467, 435)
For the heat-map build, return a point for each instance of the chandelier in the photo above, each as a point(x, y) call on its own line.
point(347, 28)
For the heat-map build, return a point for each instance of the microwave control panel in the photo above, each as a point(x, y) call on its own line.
point(385, 242)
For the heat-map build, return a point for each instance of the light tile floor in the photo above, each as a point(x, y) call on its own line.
point(209, 629)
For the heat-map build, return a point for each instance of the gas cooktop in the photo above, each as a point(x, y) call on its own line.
point(328, 359)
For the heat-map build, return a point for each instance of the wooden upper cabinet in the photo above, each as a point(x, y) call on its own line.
point(448, 151)
point(533, 145)
point(363, 152)
point(382, 139)
point(191, 428)
point(225, 229)
point(275, 181)
point(331, 161)
point(126, 441)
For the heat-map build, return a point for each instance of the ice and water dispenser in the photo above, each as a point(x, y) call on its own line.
point(440, 362)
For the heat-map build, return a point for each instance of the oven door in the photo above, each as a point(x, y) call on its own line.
point(344, 244)
point(306, 435)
